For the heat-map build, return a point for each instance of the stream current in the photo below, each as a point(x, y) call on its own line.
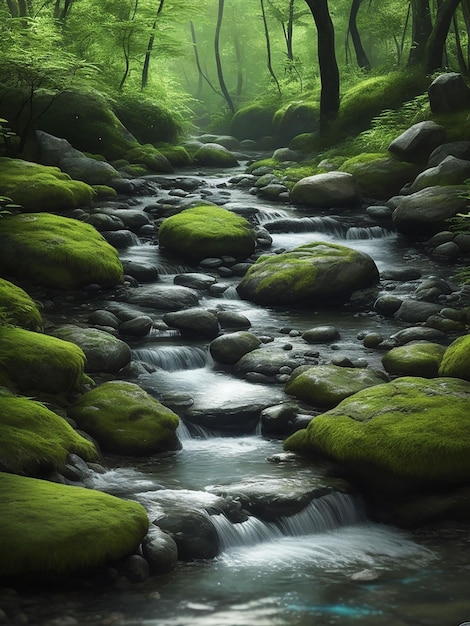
point(328, 564)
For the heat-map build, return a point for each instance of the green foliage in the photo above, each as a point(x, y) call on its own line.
point(50, 529)
point(17, 307)
point(57, 252)
point(36, 440)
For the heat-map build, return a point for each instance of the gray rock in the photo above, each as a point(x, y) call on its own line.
point(417, 142)
point(137, 327)
point(160, 551)
point(321, 334)
point(141, 271)
point(387, 305)
point(164, 297)
point(268, 361)
point(103, 318)
point(232, 319)
point(228, 349)
point(459, 149)
point(417, 333)
point(416, 310)
point(448, 93)
point(193, 532)
point(448, 251)
point(451, 171)
point(194, 321)
point(332, 189)
point(195, 280)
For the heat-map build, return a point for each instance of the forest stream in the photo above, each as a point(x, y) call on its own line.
point(328, 564)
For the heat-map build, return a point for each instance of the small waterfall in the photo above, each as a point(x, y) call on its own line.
point(264, 216)
point(326, 225)
point(367, 232)
point(174, 358)
point(187, 432)
point(329, 512)
point(231, 293)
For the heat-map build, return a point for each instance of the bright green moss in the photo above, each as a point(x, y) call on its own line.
point(421, 358)
point(178, 156)
point(40, 187)
point(18, 307)
point(39, 364)
point(269, 162)
point(457, 125)
point(48, 528)
point(295, 118)
point(149, 156)
point(57, 252)
point(296, 275)
point(33, 439)
point(125, 419)
point(379, 175)
point(215, 156)
point(398, 435)
point(207, 231)
point(456, 359)
point(148, 121)
point(103, 192)
point(252, 122)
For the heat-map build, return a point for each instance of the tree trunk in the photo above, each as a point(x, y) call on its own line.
point(268, 47)
point(436, 42)
point(202, 75)
point(12, 8)
point(361, 56)
point(218, 62)
point(329, 73)
point(466, 17)
point(290, 32)
point(148, 52)
point(421, 29)
point(458, 44)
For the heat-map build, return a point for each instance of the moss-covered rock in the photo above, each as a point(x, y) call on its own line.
point(295, 118)
point(417, 358)
point(407, 434)
point(39, 364)
point(450, 171)
point(35, 440)
point(146, 120)
point(17, 307)
point(379, 175)
point(331, 189)
point(50, 529)
point(252, 122)
point(150, 157)
point(41, 187)
point(324, 386)
point(125, 419)
point(103, 351)
point(215, 155)
point(456, 359)
point(57, 252)
point(207, 231)
point(178, 156)
point(316, 273)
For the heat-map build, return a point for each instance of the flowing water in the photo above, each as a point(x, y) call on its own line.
point(327, 564)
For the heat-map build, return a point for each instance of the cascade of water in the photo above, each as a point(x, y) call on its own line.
point(327, 225)
point(368, 232)
point(264, 215)
point(250, 532)
point(174, 358)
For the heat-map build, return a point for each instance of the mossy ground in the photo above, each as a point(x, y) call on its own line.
point(57, 252)
point(409, 432)
point(207, 231)
point(36, 440)
point(125, 419)
point(49, 529)
point(39, 364)
point(17, 307)
point(40, 187)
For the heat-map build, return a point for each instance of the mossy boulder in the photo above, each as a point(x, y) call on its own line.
point(17, 307)
point(325, 386)
point(331, 189)
point(229, 348)
point(252, 122)
point(296, 118)
point(456, 359)
point(57, 252)
point(41, 187)
point(50, 529)
point(213, 154)
point(103, 351)
point(425, 212)
point(417, 358)
point(316, 273)
point(39, 364)
point(148, 156)
point(379, 175)
point(35, 440)
point(409, 434)
point(207, 231)
point(450, 171)
point(125, 419)
point(148, 121)
point(178, 156)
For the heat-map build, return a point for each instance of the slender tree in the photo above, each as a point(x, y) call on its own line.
point(220, 74)
point(433, 58)
point(361, 55)
point(329, 72)
point(268, 47)
point(421, 29)
point(148, 52)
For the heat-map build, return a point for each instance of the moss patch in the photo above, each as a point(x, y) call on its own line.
point(146, 120)
point(40, 187)
point(207, 231)
point(252, 122)
point(47, 528)
point(17, 307)
point(295, 118)
point(35, 440)
point(456, 359)
point(57, 252)
point(421, 358)
point(397, 436)
point(176, 155)
point(125, 419)
point(150, 157)
point(37, 363)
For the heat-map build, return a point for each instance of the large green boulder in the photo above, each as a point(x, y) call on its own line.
point(456, 359)
point(379, 175)
point(148, 121)
point(213, 154)
point(125, 419)
point(39, 364)
point(417, 358)
point(207, 231)
point(316, 273)
point(35, 440)
point(296, 118)
point(41, 187)
point(57, 252)
point(325, 386)
point(52, 529)
point(252, 122)
point(412, 433)
point(17, 307)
